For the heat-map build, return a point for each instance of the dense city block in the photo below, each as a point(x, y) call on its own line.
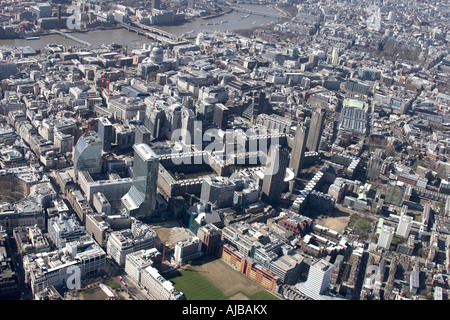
point(195, 149)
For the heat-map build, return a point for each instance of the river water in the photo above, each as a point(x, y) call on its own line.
point(231, 21)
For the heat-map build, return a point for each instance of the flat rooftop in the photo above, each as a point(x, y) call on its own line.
point(144, 151)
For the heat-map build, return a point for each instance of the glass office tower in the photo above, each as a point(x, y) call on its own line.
point(87, 155)
point(140, 201)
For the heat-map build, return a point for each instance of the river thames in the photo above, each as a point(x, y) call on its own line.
point(228, 22)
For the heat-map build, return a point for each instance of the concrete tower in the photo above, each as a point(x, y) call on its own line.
point(319, 277)
point(315, 130)
point(298, 150)
point(274, 174)
point(385, 238)
point(105, 132)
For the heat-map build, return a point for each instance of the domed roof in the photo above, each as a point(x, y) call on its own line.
point(157, 50)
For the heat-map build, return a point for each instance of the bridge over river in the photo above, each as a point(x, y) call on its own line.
point(154, 33)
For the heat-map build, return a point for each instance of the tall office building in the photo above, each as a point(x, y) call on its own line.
point(142, 134)
point(218, 190)
point(404, 226)
point(385, 238)
point(373, 168)
point(257, 103)
point(140, 201)
point(156, 4)
point(105, 132)
point(315, 130)
point(87, 154)
point(210, 236)
point(221, 115)
point(318, 280)
point(298, 151)
point(188, 123)
point(274, 174)
point(191, 4)
point(335, 55)
point(154, 120)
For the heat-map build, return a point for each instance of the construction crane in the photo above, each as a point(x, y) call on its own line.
point(164, 250)
point(109, 79)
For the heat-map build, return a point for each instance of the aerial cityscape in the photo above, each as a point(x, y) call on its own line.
point(240, 150)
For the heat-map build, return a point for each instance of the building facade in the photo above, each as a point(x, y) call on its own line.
point(87, 154)
point(299, 148)
point(140, 201)
point(385, 238)
point(315, 130)
point(274, 175)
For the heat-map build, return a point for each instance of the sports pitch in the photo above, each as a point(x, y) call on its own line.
point(215, 280)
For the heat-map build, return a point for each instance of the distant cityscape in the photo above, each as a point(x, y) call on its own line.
point(279, 150)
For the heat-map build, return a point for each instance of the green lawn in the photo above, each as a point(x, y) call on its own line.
point(360, 226)
point(113, 283)
point(196, 287)
point(263, 295)
point(94, 294)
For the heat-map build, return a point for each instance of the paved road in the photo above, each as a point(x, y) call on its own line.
point(133, 289)
point(16, 259)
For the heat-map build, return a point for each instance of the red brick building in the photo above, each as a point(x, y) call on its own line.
point(249, 268)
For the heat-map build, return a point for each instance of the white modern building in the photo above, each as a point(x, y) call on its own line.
point(158, 287)
point(187, 250)
point(137, 261)
point(120, 243)
point(404, 226)
point(65, 228)
point(319, 276)
point(317, 284)
point(385, 238)
point(77, 260)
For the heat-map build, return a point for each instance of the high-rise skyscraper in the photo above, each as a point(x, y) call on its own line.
point(105, 132)
point(298, 150)
point(218, 190)
point(373, 168)
point(221, 115)
point(210, 236)
point(315, 130)
point(87, 154)
point(404, 226)
point(140, 201)
point(274, 174)
point(156, 4)
point(188, 126)
point(154, 120)
point(191, 4)
point(385, 238)
point(335, 55)
point(318, 280)
point(142, 134)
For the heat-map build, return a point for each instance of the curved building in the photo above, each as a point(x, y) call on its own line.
point(88, 154)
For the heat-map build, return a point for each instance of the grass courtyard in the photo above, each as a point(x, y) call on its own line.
point(194, 285)
point(212, 281)
point(360, 226)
